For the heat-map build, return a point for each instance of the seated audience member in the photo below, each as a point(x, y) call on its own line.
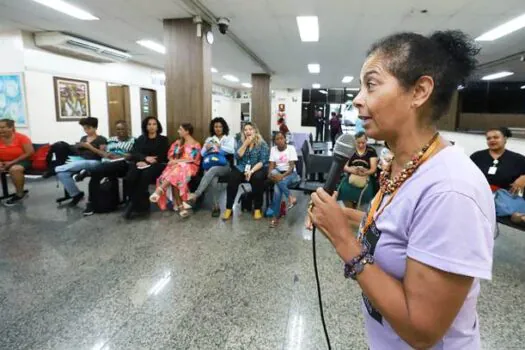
point(148, 160)
point(218, 142)
point(90, 149)
point(282, 173)
point(283, 128)
point(184, 160)
point(503, 168)
point(358, 185)
point(114, 164)
point(252, 156)
point(15, 151)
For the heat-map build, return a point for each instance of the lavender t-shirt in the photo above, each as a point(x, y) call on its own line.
point(444, 217)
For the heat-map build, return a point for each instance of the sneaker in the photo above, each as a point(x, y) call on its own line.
point(227, 214)
point(14, 200)
point(76, 199)
point(89, 210)
point(79, 177)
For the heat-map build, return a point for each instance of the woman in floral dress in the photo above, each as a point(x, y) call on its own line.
point(184, 161)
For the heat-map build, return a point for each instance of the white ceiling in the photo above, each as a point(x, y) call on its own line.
point(268, 28)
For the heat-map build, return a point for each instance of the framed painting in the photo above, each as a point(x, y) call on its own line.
point(12, 98)
point(71, 99)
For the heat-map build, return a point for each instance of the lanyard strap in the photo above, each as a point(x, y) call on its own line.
point(380, 195)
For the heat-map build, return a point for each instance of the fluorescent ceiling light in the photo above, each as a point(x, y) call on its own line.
point(308, 28)
point(314, 68)
point(150, 44)
point(214, 70)
point(68, 9)
point(349, 95)
point(323, 92)
point(522, 87)
point(353, 89)
point(504, 29)
point(347, 79)
point(461, 87)
point(247, 85)
point(497, 75)
point(316, 86)
point(231, 78)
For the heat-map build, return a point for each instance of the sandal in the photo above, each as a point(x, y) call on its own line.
point(292, 204)
point(184, 213)
point(154, 198)
point(274, 223)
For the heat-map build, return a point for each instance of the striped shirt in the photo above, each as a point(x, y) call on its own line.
point(119, 147)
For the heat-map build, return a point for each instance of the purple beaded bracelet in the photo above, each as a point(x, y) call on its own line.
point(349, 266)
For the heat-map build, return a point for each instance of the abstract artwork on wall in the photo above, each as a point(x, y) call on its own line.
point(71, 99)
point(12, 98)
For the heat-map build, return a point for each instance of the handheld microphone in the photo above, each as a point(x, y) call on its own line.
point(344, 148)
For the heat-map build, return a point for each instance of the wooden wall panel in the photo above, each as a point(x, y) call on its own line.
point(188, 77)
point(261, 104)
point(484, 121)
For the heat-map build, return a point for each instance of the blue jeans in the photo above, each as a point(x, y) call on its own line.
point(282, 188)
point(66, 171)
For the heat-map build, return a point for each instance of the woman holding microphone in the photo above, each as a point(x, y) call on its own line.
point(427, 238)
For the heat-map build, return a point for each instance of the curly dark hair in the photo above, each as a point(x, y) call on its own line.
point(144, 125)
point(506, 132)
point(89, 121)
point(225, 127)
point(449, 57)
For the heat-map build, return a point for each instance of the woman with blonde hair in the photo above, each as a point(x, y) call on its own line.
point(252, 156)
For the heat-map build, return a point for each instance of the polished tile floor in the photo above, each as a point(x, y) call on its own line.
point(69, 282)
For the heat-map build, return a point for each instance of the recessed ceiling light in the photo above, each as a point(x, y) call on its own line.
point(504, 29)
point(316, 86)
point(324, 92)
point(231, 78)
point(247, 85)
point(314, 68)
point(308, 28)
point(522, 87)
point(150, 44)
point(498, 75)
point(353, 89)
point(347, 79)
point(68, 9)
point(214, 70)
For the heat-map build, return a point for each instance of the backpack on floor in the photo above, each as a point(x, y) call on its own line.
point(107, 198)
point(246, 200)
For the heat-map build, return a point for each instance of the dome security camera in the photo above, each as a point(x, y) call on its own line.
point(224, 24)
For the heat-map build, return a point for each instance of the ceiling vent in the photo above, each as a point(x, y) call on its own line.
point(67, 45)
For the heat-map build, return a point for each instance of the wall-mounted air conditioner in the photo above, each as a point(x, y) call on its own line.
point(68, 45)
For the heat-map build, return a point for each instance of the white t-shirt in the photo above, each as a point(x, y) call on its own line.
point(283, 158)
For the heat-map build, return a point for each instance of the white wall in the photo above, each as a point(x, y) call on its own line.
point(293, 103)
point(472, 143)
point(229, 109)
point(11, 52)
point(42, 66)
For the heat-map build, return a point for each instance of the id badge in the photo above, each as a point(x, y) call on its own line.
point(247, 168)
point(492, 170)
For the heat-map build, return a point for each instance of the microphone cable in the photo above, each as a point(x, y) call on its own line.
point(320, 299)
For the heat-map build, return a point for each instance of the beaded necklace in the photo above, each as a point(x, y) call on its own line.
point(390, 186)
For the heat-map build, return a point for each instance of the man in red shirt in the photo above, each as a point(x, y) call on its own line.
point(15, 151)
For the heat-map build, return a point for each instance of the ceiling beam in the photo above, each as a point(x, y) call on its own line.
point(200, 10)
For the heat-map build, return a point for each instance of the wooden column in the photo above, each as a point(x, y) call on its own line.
point(188, 77)
point(261, 105)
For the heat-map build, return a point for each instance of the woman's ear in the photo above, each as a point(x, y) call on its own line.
point(422, 91)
